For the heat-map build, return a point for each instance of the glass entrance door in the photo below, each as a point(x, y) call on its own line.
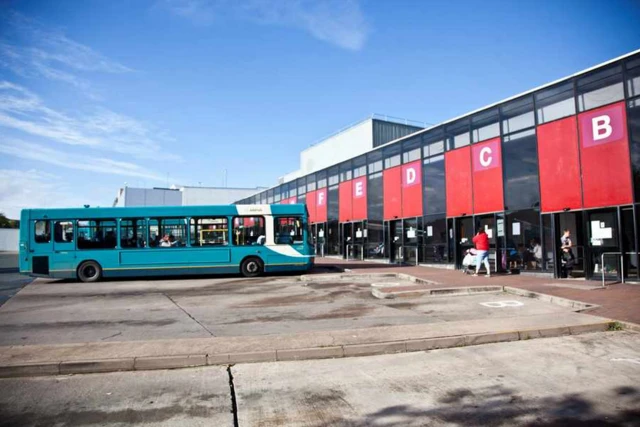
point(354, 236)
point(346, 238)
point(319, 231)
point(464, 232)
point(411, 240)
point(488, 224)
point(602, 230)
point(628, 243)
point(394, 230)
point(573, 222)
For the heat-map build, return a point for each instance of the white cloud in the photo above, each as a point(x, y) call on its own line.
point(22, 110)
point(30, 151)
point(30, 50)
point(35, 189)
point(340, 22)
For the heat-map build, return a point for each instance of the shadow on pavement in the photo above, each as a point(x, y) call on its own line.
point(501, 406)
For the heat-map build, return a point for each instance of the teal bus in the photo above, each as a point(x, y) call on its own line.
point(91, 243)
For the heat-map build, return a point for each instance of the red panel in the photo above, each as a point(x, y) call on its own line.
point(604, 151)
point(311, 206)
point(392, 189)
point(488, 195)
point(560, 185)
point(359, 203)
point(293, 200)
point(412, 189)
point(321, 205)
point(459, 186)
point(344, 201)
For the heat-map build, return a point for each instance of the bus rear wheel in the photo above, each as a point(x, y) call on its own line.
point(251, 267)
point(89, 271)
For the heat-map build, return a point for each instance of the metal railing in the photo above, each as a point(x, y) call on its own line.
point(353, 246)
point(622, 254)
point(401, 251)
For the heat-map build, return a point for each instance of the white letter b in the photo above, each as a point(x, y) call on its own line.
point(601, 126)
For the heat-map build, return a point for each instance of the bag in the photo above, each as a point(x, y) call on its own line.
point(568, 259)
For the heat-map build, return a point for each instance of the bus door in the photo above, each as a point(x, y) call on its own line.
point(64, 253)
point(40, 246)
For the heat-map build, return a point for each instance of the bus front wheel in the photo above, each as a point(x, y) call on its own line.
point(89, 271)
point(251, 267)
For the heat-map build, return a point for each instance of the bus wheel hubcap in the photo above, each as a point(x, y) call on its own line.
point(89, 271)
point(252, 267)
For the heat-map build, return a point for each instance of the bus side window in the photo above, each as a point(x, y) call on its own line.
point(209, 231)
point(63, 232)
point(42, 230)
point(247, 230)
point(288, 230)
point(132, 233)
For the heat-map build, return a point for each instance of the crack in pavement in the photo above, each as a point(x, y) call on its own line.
point(188, 314)
point(234, 402)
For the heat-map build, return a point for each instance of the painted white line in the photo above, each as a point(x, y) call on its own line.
point(502, 304)
point(636, 361)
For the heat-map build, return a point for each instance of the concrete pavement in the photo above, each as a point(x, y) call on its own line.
point(617, 301)
point(59, 327)
point(587, 380)
point(195, 397)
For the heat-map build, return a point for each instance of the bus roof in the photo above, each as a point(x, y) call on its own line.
point(168, 211)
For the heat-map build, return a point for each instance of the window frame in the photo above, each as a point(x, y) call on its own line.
point(145, 237)
point(97, 220)
point(47, 231)
point(161, 231)
point(233, 228)
point(193, 243)
point(276, 225)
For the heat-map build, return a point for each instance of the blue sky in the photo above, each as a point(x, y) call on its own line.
point(95, 93)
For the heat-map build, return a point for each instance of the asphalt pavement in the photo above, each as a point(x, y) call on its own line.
point(10, 280)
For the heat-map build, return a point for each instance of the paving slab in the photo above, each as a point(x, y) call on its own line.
point(568, 381)
point(191, 397)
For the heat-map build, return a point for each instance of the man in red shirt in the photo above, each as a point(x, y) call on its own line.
point(481, 240)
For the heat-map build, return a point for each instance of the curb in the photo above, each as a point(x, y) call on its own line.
point(564, 302)
point(379, 292)
point(331, 352)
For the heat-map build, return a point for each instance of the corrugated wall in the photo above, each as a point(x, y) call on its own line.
point(384, 132)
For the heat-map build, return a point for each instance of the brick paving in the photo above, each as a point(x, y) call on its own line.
point(617, 301)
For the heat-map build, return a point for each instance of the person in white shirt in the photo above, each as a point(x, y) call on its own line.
point(166, 242)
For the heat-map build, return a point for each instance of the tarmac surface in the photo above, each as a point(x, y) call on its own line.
point(58, 312)
point(10, 280)
point(591, 379)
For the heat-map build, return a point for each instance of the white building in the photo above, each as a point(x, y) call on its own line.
point(350, 142)
point(181, 196)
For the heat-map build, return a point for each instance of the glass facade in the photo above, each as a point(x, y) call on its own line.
point(581, 112)
point(520, 168)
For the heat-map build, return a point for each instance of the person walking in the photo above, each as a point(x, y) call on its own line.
point(481, 240)
point(567, 259)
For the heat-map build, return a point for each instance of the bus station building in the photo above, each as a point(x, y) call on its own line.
point(563, 156)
